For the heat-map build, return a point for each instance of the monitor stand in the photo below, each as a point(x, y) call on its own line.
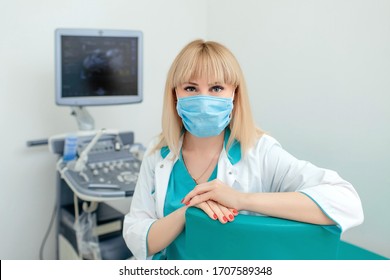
point(84, 119)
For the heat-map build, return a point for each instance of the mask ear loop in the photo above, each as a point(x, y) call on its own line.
point(233, 101)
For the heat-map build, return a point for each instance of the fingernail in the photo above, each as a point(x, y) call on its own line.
point(224, 219)
point(187, 203)
point(215, 217)
point(182, 200)
point(231, 217)
point(235, 211)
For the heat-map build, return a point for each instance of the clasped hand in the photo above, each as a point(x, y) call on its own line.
point(216, 199)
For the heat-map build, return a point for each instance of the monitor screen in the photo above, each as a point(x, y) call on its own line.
point(98, 67)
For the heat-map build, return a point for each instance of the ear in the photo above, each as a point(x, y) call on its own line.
point(234, 94)
point(174, 94)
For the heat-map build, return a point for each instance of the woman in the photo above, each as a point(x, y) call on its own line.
point(211, 155)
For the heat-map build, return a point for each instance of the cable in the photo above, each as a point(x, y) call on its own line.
point(47, 232)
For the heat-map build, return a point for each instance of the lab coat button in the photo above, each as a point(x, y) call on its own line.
point(230, 172)
point(162, 165)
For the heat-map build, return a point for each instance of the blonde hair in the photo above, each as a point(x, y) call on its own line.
point(212, 60)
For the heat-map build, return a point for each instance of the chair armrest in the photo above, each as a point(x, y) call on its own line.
point(259, 238)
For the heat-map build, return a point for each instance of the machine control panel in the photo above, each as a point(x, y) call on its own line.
point(110, 169)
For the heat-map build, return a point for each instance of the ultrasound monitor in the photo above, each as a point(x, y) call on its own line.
point(98, 67)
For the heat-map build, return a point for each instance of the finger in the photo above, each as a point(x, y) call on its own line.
point(199, 189)
point(218, 213)
point(207, 209)
point(234, 211)
point(199, 199)
point(224, 214)
point(227, 213)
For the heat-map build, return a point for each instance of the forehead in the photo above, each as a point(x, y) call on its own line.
point(205, 67)
point(201, 75)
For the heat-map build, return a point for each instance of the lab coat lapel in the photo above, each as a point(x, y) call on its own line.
point(232, 174)
point(226, 171)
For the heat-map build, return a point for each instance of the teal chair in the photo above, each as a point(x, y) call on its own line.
point(264, 238)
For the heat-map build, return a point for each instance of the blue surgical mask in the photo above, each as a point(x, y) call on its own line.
point(204, 115)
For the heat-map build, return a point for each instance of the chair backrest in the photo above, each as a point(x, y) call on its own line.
point(258, 238)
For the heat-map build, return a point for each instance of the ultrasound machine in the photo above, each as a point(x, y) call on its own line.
point(95, 67)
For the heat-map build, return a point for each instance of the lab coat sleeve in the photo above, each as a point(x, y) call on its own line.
point(142, 210)
point(336, 197)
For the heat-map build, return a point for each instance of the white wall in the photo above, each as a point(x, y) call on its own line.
point(27, 103)
point(319, 78)
point(317, 72)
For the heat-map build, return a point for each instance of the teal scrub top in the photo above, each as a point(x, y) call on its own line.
point(180, 184)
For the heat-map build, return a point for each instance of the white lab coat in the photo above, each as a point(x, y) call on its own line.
point(265, 168)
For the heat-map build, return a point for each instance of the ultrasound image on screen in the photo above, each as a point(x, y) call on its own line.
point(99, 66)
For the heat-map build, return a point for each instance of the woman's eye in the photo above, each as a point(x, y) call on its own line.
point(190, 89)
point(217, 89)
